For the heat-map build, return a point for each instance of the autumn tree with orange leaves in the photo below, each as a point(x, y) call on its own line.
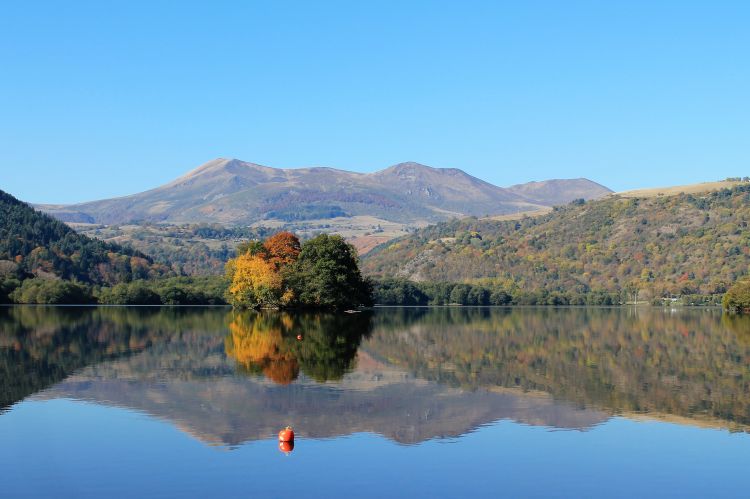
point(282, 249)
point(256, 273)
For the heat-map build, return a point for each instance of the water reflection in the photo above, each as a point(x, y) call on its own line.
point(277, 345)
point(690, 363)
point(408, 374)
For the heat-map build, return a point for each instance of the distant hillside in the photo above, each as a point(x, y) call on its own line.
point(35, 243)
point(230, 191)
point(558, 192)
point(660, 246)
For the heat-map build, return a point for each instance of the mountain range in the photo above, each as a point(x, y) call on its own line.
point(234, 192)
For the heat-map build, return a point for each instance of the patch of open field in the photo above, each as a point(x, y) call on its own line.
point(520, 215)
point(365, 244)
point(679, 189)
point(364, 232)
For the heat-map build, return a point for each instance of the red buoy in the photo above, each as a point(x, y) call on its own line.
point(286, 435)
point(286, 447)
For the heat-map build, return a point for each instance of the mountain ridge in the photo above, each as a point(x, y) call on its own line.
point(235, 192)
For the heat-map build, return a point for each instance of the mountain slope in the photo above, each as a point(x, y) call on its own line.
point(42, 245)
point(230, 191)
point(559, 191)
point(661, 246)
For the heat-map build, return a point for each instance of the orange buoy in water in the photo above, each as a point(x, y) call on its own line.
point(286, 447)
point(299, 337)
point(286, 435)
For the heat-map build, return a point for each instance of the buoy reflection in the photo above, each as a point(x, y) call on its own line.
point(286, 447)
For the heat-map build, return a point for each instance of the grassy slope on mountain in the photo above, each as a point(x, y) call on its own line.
point(683, 244)
point(700, 188)
point(39, 244)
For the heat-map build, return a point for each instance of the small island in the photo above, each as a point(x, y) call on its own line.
point(322, 272)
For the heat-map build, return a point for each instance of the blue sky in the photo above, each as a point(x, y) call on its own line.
point(99, 99)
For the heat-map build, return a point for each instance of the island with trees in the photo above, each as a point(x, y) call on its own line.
point(322, 272)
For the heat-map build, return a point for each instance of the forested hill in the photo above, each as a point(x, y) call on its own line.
point(661, 246)
point(32, 242)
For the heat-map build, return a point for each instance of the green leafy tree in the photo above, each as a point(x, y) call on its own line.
point(52, 292)
point(737, 298)
point(134, 293)
point(460, 294)
point(252, 248)
point(327, 275)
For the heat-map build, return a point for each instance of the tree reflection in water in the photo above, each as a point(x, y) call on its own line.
point(266, 343)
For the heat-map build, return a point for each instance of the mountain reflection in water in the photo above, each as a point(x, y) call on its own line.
point(408, 374)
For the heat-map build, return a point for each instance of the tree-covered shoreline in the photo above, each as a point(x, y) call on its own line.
point(43, 261)
point(411, 293)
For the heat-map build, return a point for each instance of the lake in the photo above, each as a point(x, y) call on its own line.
point(441, 402)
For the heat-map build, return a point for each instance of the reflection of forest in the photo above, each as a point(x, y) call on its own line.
point(687, 362)
point(179, 362)
point(173, 364)
point(40, 346)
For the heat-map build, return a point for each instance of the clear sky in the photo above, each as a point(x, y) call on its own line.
point(99, 99)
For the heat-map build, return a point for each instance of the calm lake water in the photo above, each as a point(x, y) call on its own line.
point(450, 402)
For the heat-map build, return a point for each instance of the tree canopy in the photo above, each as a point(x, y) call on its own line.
point(737, 297)
point(327, 275)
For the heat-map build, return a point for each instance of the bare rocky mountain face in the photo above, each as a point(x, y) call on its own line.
point(229, 191)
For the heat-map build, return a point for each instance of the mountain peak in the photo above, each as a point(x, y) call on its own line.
point(410, 164)
point(414, 168)
point(560, 191)
point(222, 165)
point(406, 166)
point(213, 164)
